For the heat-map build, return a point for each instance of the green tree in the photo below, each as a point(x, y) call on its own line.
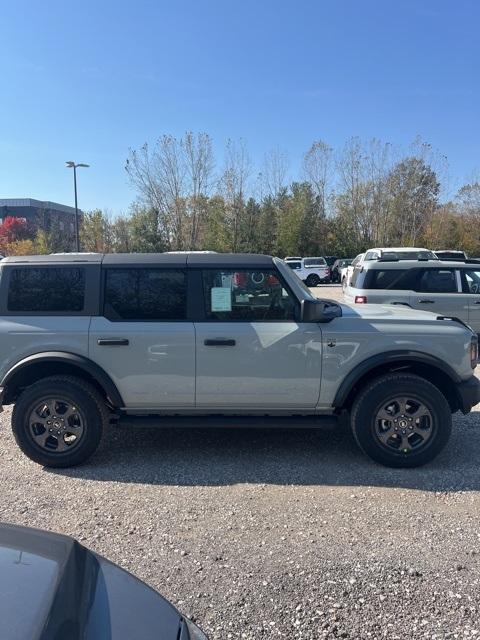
point(216, 235)
point(413, 190)
point(146, 232)
point(95, 232)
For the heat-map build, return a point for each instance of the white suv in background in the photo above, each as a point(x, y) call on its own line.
point(402, 253)
point(313, 271)
point(347, 272)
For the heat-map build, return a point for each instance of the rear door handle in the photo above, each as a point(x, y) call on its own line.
point(477, 302)
point(113, 342)
point(219, 342)
point(426, 301)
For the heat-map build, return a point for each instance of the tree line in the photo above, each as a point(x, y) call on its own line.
point(343, 201)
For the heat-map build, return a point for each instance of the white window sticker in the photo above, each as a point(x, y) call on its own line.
point(221, 299)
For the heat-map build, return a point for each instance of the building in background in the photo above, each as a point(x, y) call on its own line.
point(52, 217)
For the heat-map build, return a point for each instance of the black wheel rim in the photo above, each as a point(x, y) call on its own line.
point(56, 425)
point(403, 424)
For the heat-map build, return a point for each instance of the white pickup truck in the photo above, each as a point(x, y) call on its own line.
point(313, 271)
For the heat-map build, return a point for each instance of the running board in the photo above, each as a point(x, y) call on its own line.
point(230, 422)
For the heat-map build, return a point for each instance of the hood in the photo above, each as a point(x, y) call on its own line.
point(384, 312)
point(391, 312)
point(53, 588)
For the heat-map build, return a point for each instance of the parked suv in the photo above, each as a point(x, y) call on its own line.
point(225, 339)
point(451, 254)
point(337, 268)
point(347, 271)
point(313, 271)
point(444, 287)
point(402, 253)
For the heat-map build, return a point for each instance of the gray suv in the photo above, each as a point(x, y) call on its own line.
point(445, 288)
point(221, 339)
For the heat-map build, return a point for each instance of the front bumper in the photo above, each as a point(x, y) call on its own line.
point(468, 393)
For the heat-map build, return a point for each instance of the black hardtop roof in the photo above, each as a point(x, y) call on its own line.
point(251, 260)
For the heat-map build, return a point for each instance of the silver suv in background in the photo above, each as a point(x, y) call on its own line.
point(385, 253)
point(446, 288)
point(313, 271)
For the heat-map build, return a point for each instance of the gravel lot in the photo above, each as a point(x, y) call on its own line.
point(273, 534)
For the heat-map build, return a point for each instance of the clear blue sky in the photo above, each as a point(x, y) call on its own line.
point(86, 80)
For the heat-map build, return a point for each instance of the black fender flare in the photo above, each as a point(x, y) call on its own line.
point(390, 357)
point(74, 359)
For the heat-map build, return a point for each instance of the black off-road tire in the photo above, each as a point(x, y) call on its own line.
point(70, 389)
point(313, 280)
point(378, 393)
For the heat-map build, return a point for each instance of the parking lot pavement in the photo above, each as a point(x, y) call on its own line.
point(330, 291)
point(273, 534)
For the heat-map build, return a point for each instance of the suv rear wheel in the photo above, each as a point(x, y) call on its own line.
point(401, 420)
point(313, 280)
point(58, 421)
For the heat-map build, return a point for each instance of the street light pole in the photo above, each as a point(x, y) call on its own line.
point(73, 165)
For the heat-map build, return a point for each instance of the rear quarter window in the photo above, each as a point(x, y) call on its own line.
point(315, 262)
point(46, 289)
point(393, 279)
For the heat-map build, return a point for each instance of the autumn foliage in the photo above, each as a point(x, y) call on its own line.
point(15, 236)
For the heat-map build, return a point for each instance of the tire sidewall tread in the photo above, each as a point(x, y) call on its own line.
point(83, 394)
point(361, 419)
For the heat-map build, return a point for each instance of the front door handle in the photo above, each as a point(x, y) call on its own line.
point(113, 342)
point(426, 301)
point(219, 342)
point(477, 302)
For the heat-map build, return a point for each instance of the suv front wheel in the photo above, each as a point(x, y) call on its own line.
point(401, 420)
point(58, 421)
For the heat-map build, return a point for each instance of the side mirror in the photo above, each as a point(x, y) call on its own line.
point(320, 311)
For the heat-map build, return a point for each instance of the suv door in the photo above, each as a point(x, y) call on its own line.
point(143, 339)
point(471, 289)
point(439, 290)
point(252, 353)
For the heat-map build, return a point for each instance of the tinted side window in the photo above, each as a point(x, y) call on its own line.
point(295, 265)
point(314, 262)
point(46, 289)
point(145, 294)
point(438, 281)
point(394, 279)
point(472, 280)
point(246, 295)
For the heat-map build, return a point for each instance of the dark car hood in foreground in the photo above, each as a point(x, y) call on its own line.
point(53, 588)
